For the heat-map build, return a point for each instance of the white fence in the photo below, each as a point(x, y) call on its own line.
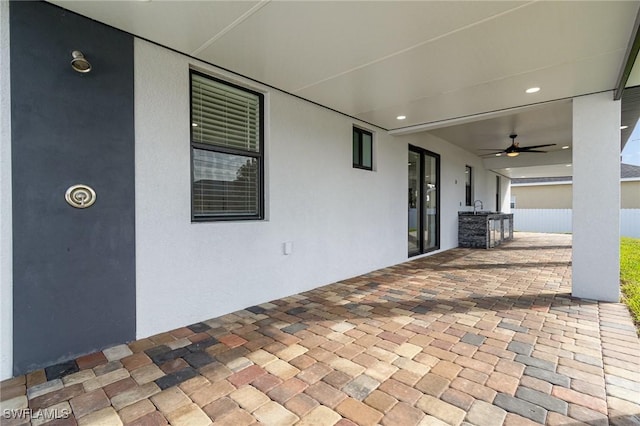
point(630, 223)
point(559, 221)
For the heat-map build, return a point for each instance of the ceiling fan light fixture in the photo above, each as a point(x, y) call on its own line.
point(512, 154)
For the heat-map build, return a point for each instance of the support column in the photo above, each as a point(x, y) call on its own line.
point(596, 197)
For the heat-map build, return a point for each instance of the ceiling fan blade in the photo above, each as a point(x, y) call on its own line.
point(491, 149)
point(537, 146)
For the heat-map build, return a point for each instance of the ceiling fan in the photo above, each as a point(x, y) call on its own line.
point(515, 149)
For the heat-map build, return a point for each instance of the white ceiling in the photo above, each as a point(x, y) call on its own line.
point(535, 125)
point(428, 60)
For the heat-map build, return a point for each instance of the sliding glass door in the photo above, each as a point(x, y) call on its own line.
point(414, 202)
point(424, 201)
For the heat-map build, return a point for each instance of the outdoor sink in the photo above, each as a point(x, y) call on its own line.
point(484, 229)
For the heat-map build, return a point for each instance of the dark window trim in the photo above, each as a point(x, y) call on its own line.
point(424, 152)
point(226, 150)
point(359, 163)
point(468, 201)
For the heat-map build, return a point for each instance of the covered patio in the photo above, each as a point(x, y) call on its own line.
point(480, 337)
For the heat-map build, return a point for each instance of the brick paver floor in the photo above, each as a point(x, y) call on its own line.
point(475, 337)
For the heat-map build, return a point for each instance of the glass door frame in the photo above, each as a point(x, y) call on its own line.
point(422, 153)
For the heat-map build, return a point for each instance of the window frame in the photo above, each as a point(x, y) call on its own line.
point(259, 156)
point(360, 163)
point(469, 200)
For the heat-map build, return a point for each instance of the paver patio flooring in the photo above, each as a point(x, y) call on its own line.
point(479, 337)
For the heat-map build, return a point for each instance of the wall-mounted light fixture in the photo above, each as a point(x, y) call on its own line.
point(79, 62)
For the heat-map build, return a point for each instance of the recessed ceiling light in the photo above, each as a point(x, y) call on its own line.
point(532, 90)
point(624, 127)
point(498, 155)
point(568, 165)
point(401, 117)
point(508, 168)
point(565, 147)
point(194, 124)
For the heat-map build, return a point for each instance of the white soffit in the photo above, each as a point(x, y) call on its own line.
point(561, 82)
point(181, 25)
point(488, 66)
point(295, 45)
point(543, 124)
point(375, 60)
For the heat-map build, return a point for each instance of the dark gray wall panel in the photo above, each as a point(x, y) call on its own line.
point(74, 269)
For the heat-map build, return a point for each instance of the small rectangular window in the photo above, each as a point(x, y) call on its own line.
point(468, 186)
point(362, 149)
point(226, 151)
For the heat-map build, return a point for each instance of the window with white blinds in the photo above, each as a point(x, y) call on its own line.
point(226, 144)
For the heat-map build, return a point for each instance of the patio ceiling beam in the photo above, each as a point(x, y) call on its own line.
point(629, 59)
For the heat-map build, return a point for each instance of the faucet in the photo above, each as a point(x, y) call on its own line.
point(475, 204)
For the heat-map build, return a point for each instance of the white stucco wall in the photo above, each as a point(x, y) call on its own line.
point(342, 221)
point(6, 258)
point(506, 195)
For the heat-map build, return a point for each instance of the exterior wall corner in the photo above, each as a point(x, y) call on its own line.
point(6, 255)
